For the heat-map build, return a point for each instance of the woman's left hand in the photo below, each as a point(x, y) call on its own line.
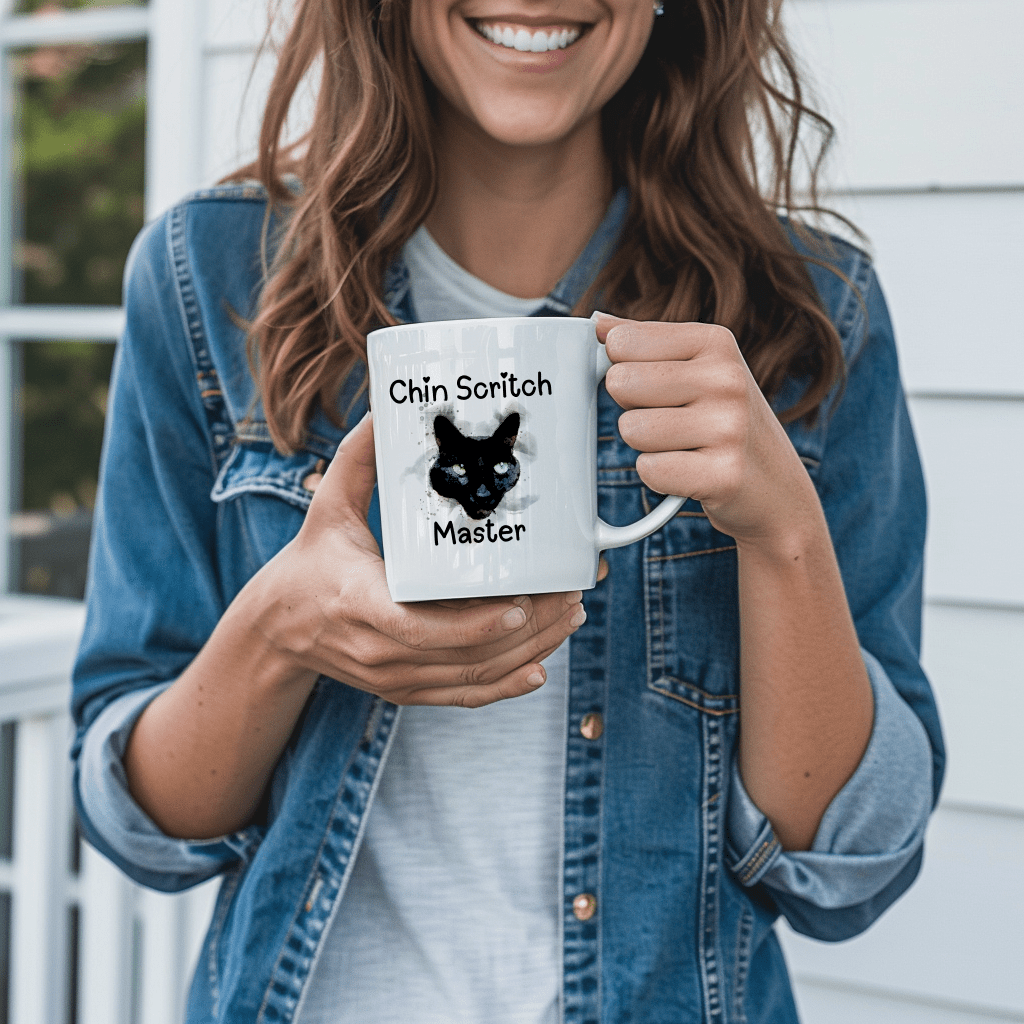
point(704, 428)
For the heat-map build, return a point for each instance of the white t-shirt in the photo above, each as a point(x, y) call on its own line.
point(451, 915)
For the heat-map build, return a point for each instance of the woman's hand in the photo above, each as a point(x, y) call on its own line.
point(324, 603)
point(202, 753)
point(705, 429)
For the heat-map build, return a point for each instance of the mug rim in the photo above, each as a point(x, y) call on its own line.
point(480, 320)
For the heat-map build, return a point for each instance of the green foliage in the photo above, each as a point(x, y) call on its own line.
point(31, 6)
point(64, 399)
point(83, 120)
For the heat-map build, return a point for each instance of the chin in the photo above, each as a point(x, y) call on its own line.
point(525, 128)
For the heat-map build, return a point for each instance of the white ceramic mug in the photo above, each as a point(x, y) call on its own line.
point(486, 436)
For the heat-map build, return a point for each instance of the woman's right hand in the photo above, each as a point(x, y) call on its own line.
point(323, 603)
point(200, 756)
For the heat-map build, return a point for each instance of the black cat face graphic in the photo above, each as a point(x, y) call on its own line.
point(476, 471)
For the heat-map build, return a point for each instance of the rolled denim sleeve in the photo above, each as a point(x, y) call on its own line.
point(870, 832)
point(154, 592)
point(130, 834)
point(868, 848)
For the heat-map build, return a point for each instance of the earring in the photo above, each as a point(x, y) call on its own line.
point(659, 8)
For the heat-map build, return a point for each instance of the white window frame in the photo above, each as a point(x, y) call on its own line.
point(174, 32)
point(38, 637)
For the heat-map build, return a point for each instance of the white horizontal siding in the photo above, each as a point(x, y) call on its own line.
point(837, 1004)
point(234, 24)
point(924, 92)
point(236, 89)
point(950, 265)
point(974, 659)
point(973, 452)
point(958, 934)
point(231, 125)
point(930, 93)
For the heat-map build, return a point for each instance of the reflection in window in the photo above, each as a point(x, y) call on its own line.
point(79, 174)
point(62, 403)
point(49, 6)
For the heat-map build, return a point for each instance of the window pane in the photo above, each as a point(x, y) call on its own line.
point(80, 148)
point(47, 6)
point(63, 399)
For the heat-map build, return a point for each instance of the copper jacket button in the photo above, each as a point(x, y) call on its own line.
point(584, 906)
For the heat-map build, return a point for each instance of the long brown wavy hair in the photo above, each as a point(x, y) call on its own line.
point(703, 239)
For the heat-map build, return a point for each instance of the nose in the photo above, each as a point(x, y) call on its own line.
point(483, 491)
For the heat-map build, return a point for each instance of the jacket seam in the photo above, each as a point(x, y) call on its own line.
point(349, 866)
point(691, 554)
point(742, 965)
point(310, 880)
point(208, 381)
point(715, 712)
point(765, 851)
point(227, 896)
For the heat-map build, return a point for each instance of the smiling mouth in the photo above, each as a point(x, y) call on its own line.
point(527, 40)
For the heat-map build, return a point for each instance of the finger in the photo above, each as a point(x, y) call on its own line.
point(432, 627)
point(702, 474)
point(522, 681)
point(604, 322)
point(631, 341)
point(548, 610)
point(678, 382)
point(650, 385)
point(492, 666)
point(685, 429)
point(602, 569)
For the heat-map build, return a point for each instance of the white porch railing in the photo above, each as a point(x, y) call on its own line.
point(86, 946)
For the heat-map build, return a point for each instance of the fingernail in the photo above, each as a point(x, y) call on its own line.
point(578, 619)
point(514, 618)
point(537, 678)
point(574, 598)
point(597, 314)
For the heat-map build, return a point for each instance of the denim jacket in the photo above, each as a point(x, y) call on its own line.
point(686, 875)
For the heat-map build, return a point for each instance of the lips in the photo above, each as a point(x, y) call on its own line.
point(528, 39)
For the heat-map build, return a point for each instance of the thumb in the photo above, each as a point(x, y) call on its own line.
point(604, 322)
point(347, 485)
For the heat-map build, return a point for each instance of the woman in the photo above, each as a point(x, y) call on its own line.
point(739, 726)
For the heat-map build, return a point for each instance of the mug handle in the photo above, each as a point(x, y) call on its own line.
point(608, 536)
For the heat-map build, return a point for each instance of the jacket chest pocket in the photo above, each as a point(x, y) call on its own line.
point(263, 499)
point(691, 609)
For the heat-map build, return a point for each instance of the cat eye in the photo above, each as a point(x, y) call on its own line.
point(458, 469)
point(502, 467)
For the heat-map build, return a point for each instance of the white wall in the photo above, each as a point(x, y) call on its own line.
point(928, 96)
point(929, 99)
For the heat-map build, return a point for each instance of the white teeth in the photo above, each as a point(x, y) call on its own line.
point(527, 42)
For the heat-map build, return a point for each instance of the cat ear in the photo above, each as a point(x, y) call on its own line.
point(508, 429)
point(446, 432)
